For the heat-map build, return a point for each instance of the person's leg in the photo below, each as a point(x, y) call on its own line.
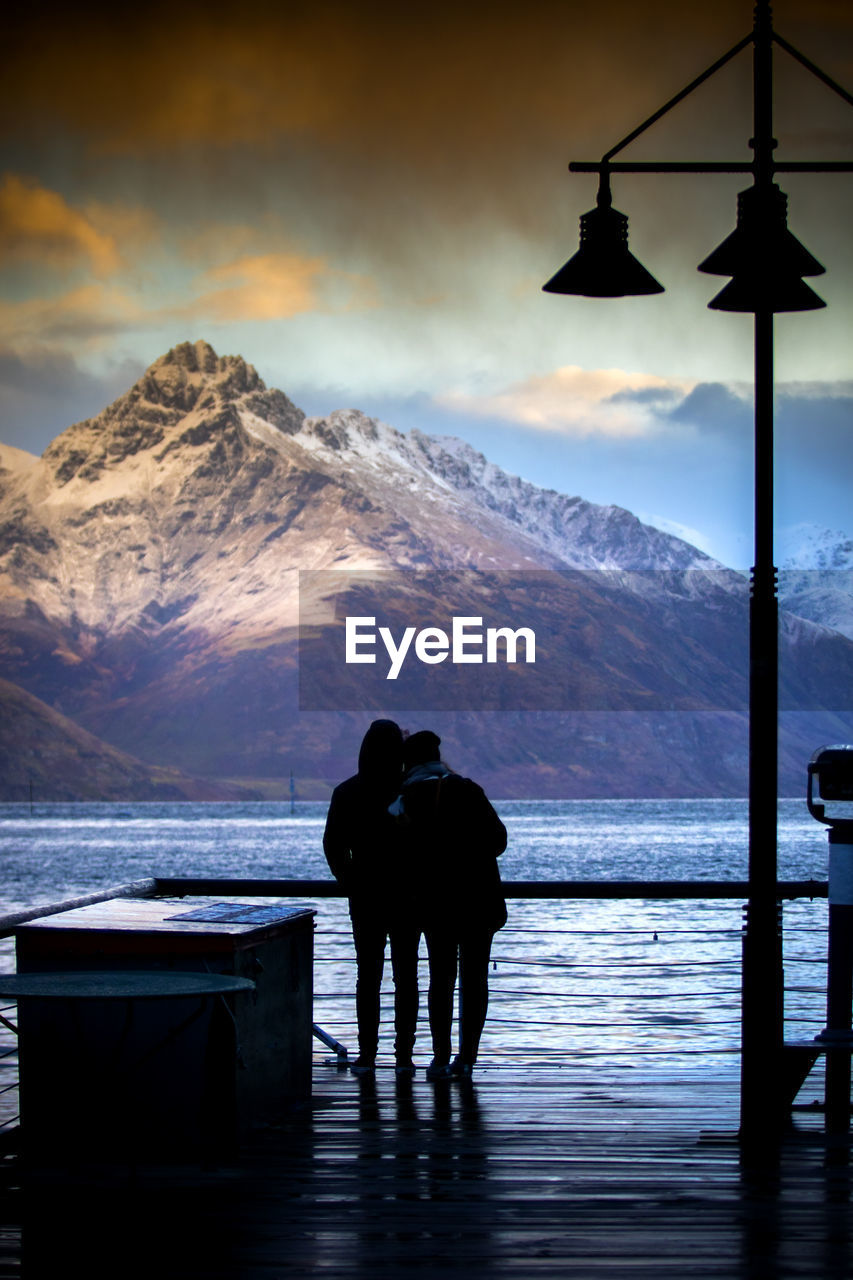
point(442, 950)
point(405, 940)
point(474, 952)
point(369, 935)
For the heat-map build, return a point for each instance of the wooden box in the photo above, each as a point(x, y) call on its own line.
point(186, 1077)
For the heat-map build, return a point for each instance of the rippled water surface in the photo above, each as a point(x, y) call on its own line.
point(622, 981)
point(57, 851)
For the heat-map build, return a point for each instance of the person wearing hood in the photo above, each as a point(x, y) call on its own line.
point(363, 848)
point(454, 838)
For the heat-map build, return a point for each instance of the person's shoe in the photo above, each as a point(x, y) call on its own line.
point(363, 1066)
point(461, 1070)
point(405, 1069)
point(438, 1070)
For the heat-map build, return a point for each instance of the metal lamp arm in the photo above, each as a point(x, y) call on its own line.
point(734, 167)
point(814, 69)
point(679, 97)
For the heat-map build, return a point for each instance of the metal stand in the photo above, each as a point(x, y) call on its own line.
point(838, 1036)
point(766, 264)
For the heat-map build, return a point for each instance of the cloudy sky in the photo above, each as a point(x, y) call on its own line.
point(364, 200)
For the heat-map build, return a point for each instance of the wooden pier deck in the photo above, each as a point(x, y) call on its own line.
point(531, 1172)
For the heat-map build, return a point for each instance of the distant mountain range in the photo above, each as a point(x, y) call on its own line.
point(150, 569)
point(816, 576)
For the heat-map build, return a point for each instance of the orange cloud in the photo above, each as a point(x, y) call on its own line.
point(275, 286)
point(577, 401)
point(132, 227)
point(86, 314)
point(269, 286)
point(39, 225)
point(272, 286)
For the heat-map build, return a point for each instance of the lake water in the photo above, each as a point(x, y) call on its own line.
point(625, 983)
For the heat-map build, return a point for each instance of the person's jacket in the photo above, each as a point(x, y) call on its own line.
point(454, 838)
point(361, 840)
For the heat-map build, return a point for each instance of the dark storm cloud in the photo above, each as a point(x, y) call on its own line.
point(819, 425)
point(196, 161)
point(647, 396)
point(445, 90)
point(42, 394)
point(813, 422)
point(713, 407)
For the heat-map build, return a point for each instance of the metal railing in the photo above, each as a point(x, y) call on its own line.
point(605, 971)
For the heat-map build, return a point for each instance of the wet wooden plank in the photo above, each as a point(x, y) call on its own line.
point(529, 1172)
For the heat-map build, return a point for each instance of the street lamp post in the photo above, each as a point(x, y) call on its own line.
point(766, 263)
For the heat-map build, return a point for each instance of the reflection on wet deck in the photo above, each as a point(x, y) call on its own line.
point(529, 1172)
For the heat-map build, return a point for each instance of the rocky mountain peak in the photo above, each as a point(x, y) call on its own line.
point(195, 357)
point(183, 395)
point(208, 422)
point(345, 430)
point(192, 367)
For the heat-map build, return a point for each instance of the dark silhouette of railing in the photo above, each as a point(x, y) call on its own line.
point(554, 995)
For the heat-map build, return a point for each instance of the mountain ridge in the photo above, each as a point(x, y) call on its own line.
point(250, 453)
point(46, 755)
point(149, 588)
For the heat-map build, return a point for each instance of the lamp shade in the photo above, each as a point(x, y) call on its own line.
point(765, 260)
point(788, 293)
point(603, 266)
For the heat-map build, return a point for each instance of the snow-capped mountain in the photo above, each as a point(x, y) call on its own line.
point(816, 576)
point(149, 589)
point(447, 474)
point(810, 547)
point(199, 470)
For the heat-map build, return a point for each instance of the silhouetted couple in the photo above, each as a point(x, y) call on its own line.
point(415, 848)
